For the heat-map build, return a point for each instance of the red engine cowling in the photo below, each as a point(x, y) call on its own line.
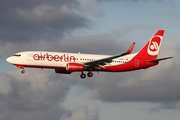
point(62, 71)
point(74, 67)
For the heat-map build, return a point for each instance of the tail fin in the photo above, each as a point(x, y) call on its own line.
point(151, 49)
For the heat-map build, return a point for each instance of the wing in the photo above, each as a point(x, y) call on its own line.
point(104, 61)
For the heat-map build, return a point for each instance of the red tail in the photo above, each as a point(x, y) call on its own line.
point(151, 49)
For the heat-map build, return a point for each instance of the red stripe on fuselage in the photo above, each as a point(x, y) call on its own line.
point(134, 64)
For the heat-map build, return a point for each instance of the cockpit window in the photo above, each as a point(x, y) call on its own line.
point(18, 55)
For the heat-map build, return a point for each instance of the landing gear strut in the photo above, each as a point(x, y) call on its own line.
point(23, 71)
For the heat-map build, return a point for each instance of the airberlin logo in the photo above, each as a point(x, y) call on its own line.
point(154, 45)
point(50, 57)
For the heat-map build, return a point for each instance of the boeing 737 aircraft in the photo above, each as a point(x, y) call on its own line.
point(66, 63)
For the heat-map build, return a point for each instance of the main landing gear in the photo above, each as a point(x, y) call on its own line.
point(89, 74)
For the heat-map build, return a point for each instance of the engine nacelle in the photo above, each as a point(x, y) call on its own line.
point(74, 67)
point(62, 71)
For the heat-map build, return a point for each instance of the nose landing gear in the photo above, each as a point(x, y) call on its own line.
point(23, 71)
point(21, 67)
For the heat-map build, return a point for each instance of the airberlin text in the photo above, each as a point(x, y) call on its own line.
point(50, 57)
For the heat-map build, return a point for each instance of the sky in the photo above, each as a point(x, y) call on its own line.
point(96, 26)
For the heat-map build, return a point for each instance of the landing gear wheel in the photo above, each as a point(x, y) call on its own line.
point(23, 71)
point(90, 74)
point(83, 75)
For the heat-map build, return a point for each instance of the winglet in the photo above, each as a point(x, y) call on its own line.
point(130, 48)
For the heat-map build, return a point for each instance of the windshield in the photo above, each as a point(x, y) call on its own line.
point(17, 55)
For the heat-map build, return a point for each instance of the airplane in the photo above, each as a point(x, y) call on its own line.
point(66, 63)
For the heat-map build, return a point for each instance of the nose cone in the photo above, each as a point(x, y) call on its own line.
point(9, 59)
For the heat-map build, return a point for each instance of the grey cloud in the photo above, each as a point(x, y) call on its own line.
point(29, 4)
point(42, 19)
point(171, 105)
point(131, 0)
point(90, 7)
point(24, 98)
point(95, 44)
point(83, 113)
point(162, 106)
point(39, 95)
point(54, 113)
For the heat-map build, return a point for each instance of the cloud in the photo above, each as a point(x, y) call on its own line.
point(131, 0)
point(90, 7)
point(95, 44)
point(38, 95)
point(83, 113)
point(19, 99)
point(37, 21)
point(162, 106)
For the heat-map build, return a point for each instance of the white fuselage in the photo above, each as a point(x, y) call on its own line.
point(60, 59)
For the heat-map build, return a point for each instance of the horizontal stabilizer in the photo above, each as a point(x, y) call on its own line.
point(160, 59)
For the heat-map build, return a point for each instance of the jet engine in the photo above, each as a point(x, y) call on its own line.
point(74, 67)
point(62, 71)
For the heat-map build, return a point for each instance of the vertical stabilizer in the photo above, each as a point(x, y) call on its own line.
point(151, 49)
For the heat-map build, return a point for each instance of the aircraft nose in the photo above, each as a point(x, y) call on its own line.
point(9, 59)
